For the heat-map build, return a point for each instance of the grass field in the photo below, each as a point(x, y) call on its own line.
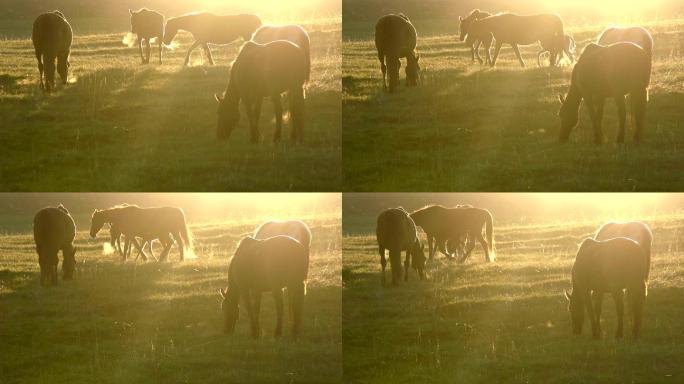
point(506, 321)
point(469, 127)
point(161, 323)
point(123, 126)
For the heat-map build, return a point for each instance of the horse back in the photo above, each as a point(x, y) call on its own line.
point(147, 23)
point(395, 230)
point(637, 35)
point(52, 34)
point(275, 67)
point(395, 36)
point(610, 265)
point(617, 69)
point(293, 228)
point(53, 228)
point(517, 29)
point(272, 263)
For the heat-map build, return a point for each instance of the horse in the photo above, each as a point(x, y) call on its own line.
point(397, 233)
point(264, 70)
point(148, 223)
point(147, 25)
point(569, 47)
point(607, 71)
point(441, 224)
point(296, 229)
point(260, 266)
point(395, 38)
point(473, 40)
point(609, 266)
point(635, 230)
point(292, 33)
point(637, 35)
point(51, 38)
point(208, 28)
point(509, 28)
point(54, 230)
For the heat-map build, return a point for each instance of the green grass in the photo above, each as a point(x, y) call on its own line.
point(507, 321)
point(123, 126)
point(469, 127)
point(149, 322)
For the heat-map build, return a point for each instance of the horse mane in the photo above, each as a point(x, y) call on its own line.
point(59, 13)
point(63, 209)
point(404, 17)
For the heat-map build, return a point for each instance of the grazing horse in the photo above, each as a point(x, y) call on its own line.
point(609, 266)
point(395, 38)
point(147, 223)
point(292, 33)
point(637, 35)
point(208, 28)
point(569, 47)
point(53, 231)
point(473, 40)
point(397, 232)
point(52, 37)
point(260, 266)
point(259, 71)
point(635, 230)
point(515, 30)
point(443, 224)
point(296, 229)
point(612, 71)
point(147, 25)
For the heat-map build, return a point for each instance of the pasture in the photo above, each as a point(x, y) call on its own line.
point(161, 322)
point(469, 127)
point(506, 321)
point(123, 126)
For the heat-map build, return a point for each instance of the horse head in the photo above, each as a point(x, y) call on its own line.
point(69, 263)
point(97, 221)
point(418, 258)
point(230, 309)
point(569, 115)
point(228, 114)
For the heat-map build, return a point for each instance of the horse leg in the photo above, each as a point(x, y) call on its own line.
point(253, 321)
point(477, 51)
point(383, 68)
point(622, 116)
point(205, 46)
point(137, 246)
point(383, 263)
point(278, 298)
point(192, 47)
point(296, 297)
point(592, 317)
point(592, 106)
point(618, 297)
point(539, 55)
point(40, 68)
point(517, 53)
point(638, 101)
point(127, 248)
point(638, 297)
point(161, 47)
point(139, 42)
point(407, 264)
point(483, 243)
point(181, 245)
point(496, 53)
point(278, 110)
point(431, 247)
point(598, 304)
point(148, 52)
point(296, 97)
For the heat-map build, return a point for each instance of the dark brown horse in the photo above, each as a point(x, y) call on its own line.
point(208, 28)
point(602, 72)
point(609, 266)
point(635, 230)
point(147, 25)
point(292, 33)
point(52, 37)
point(442, 224)
point(260, 71)
point(509, 28)
point(395, 38)
point(53, 231)
point(397, 233)
point(260, 266)
point(147, 223)
point(474, 40)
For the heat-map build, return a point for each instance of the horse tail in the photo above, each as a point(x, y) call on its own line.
point(489, 234)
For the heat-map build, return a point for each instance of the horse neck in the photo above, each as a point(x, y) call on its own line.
point(574, 97)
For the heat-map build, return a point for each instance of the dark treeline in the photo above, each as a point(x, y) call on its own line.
point(368, 11)
point(360, 209)
point(17, 209)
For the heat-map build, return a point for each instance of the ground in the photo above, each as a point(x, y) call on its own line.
point(125, 322)
point(506, 321)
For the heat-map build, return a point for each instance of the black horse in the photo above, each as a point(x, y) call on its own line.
point(395, 38)
point(52, 37)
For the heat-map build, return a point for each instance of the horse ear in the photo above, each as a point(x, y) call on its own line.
point(222, 292)
point(561, 98)
point(218, 98)
point(567, 295)
point(460, 18)
point(130, 11)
